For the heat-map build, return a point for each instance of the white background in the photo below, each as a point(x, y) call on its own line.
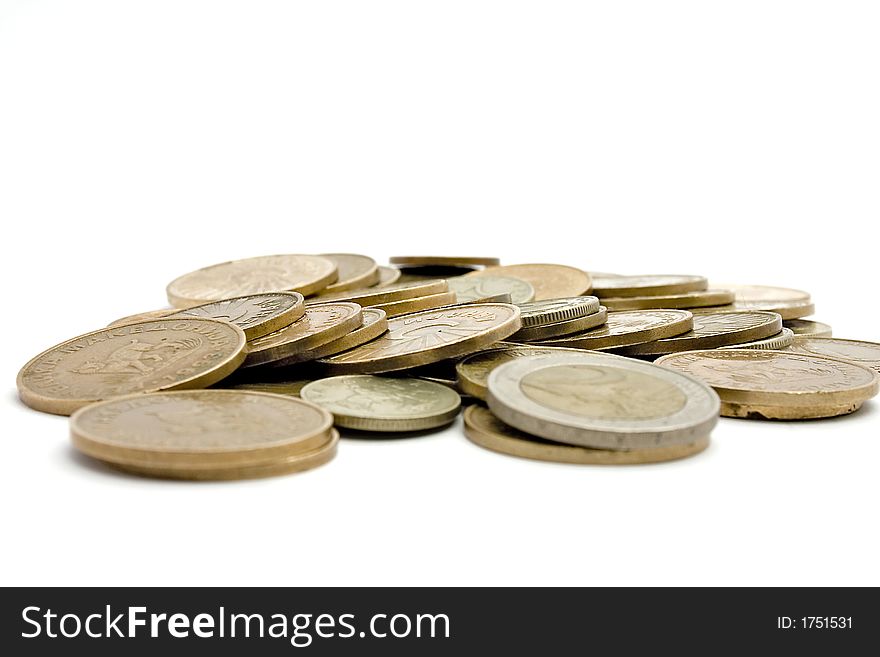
point(140, 140)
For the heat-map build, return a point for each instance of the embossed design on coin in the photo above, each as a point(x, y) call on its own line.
point(807, 327)
point(638, 286)
point(628, 328)
point(538, 313)
point(255, 314)
point(853, 351)
point(549, 281)
point(355, 271)
point(481, 288)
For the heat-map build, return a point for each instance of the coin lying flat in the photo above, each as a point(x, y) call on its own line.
point(626, 328)
point(645, 286)
point(561, 329)
point(416, 304)
point(387, 275)
point(388, 294)
point(686, 300)
point(486, 430)
point(291, 387)
point(860, 352)
point(305, 274)
point(374, 323)
point(778, 384)
point(485, 288)
point(549, 281)
point(538, 313)
point(134, 358)
point(319, 325)
point(598, 400)
point(354, 271)
point(428, 337)
point(161, 313)
point(375, 403)
point(781, 340)
point(712, 330)
point(443, 261)
point(808, 328)
point(791, 304)
point(255, 314)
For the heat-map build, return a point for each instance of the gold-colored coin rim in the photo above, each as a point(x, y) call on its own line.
point(416, 304)
point(583, 340)
point(270, 325)
point(532, 315)
point(808, 328)
point(366, 278)
point(781, 340)
point(686, 301)
point(687, 284)
point(540, 293)
point(385, 294)
point(354, 338)
point(444, 261)
point(387, 276)
point(561, 329)
point(145, 316)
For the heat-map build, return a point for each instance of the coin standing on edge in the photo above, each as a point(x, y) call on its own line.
point(646, 286)
point(625, 328)
point(859, 352)
point(549, 281)
point(255, 314)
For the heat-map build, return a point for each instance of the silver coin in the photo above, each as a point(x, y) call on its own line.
point(781, 340)
point(551, 311)
point(485, 288)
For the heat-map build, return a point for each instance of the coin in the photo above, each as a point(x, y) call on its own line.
point(807, 327)
point(428, 337)
point(443, 261)
point(598, 400)
point(291, 387)
point(150, 356)
point(407, 306)
point(387, 275)
point(255, 314)
point(388, 294)
point(713, 330)
point(646, 286)
point(144, 316)
point(791, 304)
point(305, 274)
point(373, 324)
point(781, 340)
point(318, 326)
point(485, 288)
point(539, 313)
point(853, 351)
point(665, 301)
point(560, 329)
point(780, 385)
point(375, 403)
point(486, 430)
point(626, 328)
point(354, 271)
point(549, 281)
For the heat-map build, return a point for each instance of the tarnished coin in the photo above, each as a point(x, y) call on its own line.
point(561, 329)
point(853, 351)
point(375, 403)
point(631, 327)
point(428, 337)
point(549, 281)
point(319, 325)
point(354, 271)
point(808, 328)
point(646, 286)
point(538, 313)
point(150, 356)
point(387, 275)
point(664, 301)
point(255, 314)
point(598, 400)
point(305, 274)
point(376, 295)
point(791, 304)
point(712, 330)
point(486, 430)
point(780, 385)
point(416, 304)
point(290, 387)
point(781, 340)
point(147, 315)
point(485, 288)
point(443, 261)
point(374, 323)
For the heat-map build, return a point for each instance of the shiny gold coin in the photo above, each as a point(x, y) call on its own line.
point(561, 329)
point(778, 385)
point(549, 281)
point(428, 337)
point(416, 304)
point(255, 314)
point(789, 303)
point(355, 272)
point(552, 311)
point(859, 352)
point(625, 328)
point(320, 325)
point(488, 288)
point(443, 261)
point(665, 301)
point(306, 274)
point(808, 328)
point(144, 316)
point(291, 387)
point(387, 276)
point(646, 286)
point(486, 430)
point(713, 330)
point(165, 354)
point(374, 323)
point(781, 340)
point(388, 294)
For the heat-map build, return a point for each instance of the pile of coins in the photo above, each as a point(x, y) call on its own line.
point(259, 362)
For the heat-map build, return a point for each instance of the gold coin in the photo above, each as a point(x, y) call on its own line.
point(255, 314)
point(486, 430)
point(376, 295)
point(428, 337)
point(560, 329)
point(781, 340)
point(355, 271)
point(387, 276)
point(144, 316)
point(306, 274)
point(646, 286)
point(373, 324)
point(808, 328)
point(443, 261)
point(791, 304)
point(552, 311)
point(780, 385)
point(625, 328)
point(319, 325)
point(860, 352)
point(291, 387)
point(165, 354)
point(488, 288)
point(665, 301)
point(713, 330)
point(416, 304)
point(549, 281)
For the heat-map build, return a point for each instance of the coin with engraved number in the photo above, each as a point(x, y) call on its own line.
point(602, 401)
point(416, 304)
point(646, 286)
point(443, 261)
point(791, 304)
point(549, 281)
point(306, 274)
point(486, 430)
point(685, 300)
point(781, 340)
point(561, 329)
point(255, 314)
point(428, 337)
point(388, 294)
point(354, 271)
point(779, 385)
point(150, 356)
point(485, 288)
point(626, 328)
point(387, 276)
point(538, 313)
point(860, 352)
point(375, 403)
point(374, 323)
point(807, 327)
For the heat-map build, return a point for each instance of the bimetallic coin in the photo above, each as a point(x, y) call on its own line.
point(354, 271)
point(561, 329)
point(486, 430)
point(781, 340)
point(255, 314)
point(320, 325)
point(713, 330)
point(646, 286)
point(485, 288)
point(305, 274)
point(374, 403)
point(631, 327)
point(808, 328)
point(165, 354)
point(598, 400)
point(791, 304)
point(686, 300)
point(860, 352)
point(549, 281)
point(388, 294)
point(416, 304)
point(428, 337)
point(443, 261)
point(374, 323)
point(144, 316)
point(538, 313)
point(387, 276)
point(781, 385)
